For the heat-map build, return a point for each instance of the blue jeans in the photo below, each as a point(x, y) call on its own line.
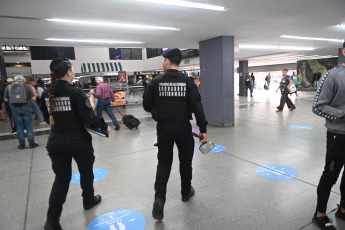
point(104, 104)
point(37, 111)
point(23, 119)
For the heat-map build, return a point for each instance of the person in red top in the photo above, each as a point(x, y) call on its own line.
point(105, 95)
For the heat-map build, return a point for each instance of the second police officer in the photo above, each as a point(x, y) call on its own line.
point(171, 98)
point(67, 109)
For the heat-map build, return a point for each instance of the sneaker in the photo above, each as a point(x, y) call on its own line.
point(191, 193)
point(117, 127)
point(339, 214)
point(324, 223)
point(292, 108)
point(51, 226)
point(42, 123)
point(94, 201)
point(33, 145)
point(158, 209)
point(279, 110)
point(14, 133)
point(21, 146)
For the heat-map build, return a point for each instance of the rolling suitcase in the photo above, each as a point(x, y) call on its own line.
point(129, 121)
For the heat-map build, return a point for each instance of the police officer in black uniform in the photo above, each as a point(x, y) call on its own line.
point(67, 109)
point(172, 98)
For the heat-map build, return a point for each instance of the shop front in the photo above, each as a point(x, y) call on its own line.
point(113, 75)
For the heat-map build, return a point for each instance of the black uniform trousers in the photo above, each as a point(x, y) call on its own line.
point(62, 147)
point(168, 134)
point(335, 161)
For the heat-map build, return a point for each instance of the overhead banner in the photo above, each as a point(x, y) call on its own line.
point(101, 67)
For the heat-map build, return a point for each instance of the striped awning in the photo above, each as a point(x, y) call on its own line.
point(101, 67)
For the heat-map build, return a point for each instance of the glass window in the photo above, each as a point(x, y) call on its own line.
point(153, 52)
point(114, 54)
point(136, 54)
point(125, 54)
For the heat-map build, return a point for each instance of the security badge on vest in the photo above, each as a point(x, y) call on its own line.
point(61, 104)
point(170, 89)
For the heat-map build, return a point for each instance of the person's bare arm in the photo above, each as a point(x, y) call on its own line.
point(290, 83)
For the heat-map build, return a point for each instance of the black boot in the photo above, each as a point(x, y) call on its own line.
point(190, 194)
point(52, 225)
point(158, 208)
point(88, 204)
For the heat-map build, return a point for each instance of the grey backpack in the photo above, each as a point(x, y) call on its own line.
point(17, 93)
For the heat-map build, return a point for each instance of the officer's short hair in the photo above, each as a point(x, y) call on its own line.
point(174, 56)
point(285, 70)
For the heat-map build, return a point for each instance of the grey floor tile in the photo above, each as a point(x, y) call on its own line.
point(229, 193)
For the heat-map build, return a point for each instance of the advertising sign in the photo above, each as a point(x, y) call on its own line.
point(120, 98)
point(189, 53)
point(122, 77)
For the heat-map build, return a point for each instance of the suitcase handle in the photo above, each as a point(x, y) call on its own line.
point(118, 111)
point(196, 135)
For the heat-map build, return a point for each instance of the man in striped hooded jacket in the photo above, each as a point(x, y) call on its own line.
point(330, 104)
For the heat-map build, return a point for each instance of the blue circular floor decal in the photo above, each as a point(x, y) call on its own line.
point(123, 219)
point(217, 148)
point(301, 127)
point(97, 172)
point(276, 172)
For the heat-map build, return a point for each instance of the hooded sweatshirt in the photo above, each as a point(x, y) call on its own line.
point(330, 99)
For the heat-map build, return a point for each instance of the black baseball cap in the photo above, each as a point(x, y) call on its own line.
point(171, 53)
point(57, 61)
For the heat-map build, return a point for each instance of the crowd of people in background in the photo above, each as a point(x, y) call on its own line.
point(37, 89)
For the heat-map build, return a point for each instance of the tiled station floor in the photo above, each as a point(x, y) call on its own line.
point(229, 192)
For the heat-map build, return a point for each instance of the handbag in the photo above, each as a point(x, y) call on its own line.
point(293, 88)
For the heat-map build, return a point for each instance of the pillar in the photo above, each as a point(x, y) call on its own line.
point(341, 57)
point(217, 79)
point(243, 69)
point(3, 75)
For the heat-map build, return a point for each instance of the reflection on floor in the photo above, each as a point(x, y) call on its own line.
point(229, 192)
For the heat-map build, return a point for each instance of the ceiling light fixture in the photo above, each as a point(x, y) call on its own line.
point(271, 56)
point(295, 48)
point(312, 38)
point(341, 25)
point(274, 47)
point(257, 47)
point(187, 4)
point(111, 24)
point(92, 41)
